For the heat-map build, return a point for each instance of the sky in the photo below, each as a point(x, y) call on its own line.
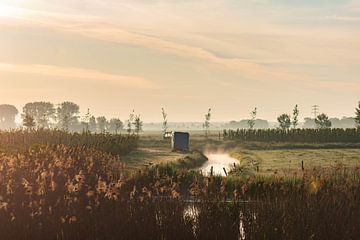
point(113, 56)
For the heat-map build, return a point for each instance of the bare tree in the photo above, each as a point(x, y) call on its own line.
point(251, 121)
point(165, 122)
point(129, 122)
point(86, 121)
point(206, 124)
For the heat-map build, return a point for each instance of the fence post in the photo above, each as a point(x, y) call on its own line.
point(225, 171)
point(302, 166)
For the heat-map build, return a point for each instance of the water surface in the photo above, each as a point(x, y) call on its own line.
point(218, 161)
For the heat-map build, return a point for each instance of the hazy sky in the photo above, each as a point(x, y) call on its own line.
point(185, 55)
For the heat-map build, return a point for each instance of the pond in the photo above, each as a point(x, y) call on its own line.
point(218, 161)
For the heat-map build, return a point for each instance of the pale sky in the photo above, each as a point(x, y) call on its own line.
point(113, 56)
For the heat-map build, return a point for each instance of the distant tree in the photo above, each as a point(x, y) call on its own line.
point(295, 121)
point(284, 121)
point(309, 123)
point(86, 121)
point(28, 122)
point(357, 116)
point(129, 122)
point(42, 112)
point(251, 121)
point(165, 122)
point(92, 124)
point(115, 125)
point(322, 121)
point(138, 124)
point(101, 124)
point(7, 116)
point(67, 114)
point(347, 122)
point(206, 124)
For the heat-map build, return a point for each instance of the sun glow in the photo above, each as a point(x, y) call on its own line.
point(10, 11)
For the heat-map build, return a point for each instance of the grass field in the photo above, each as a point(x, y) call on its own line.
point(261, 158)
point(290, 161)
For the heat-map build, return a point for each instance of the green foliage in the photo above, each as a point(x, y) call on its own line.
point(322, 121)
point(284, 121)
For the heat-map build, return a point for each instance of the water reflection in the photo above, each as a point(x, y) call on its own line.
point(218, 161)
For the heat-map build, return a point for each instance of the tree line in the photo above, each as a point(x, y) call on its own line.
point(288, 130)
point(65, 116)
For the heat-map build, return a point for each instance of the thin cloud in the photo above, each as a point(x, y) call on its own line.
point(97, 28)
point(77, 73)
point(342, 18)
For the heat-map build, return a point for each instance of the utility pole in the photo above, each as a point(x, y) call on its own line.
point(315, 110)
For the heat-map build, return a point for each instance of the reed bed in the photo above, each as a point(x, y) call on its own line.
point(116, 144)
point(66, 192)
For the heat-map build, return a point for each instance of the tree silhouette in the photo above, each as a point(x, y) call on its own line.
point(29, 122)
point(130, 122)
point(284, 121)
point(165, 122)
point(137, 124)
point(67, 115)
point(206, 124)
point(295, 121)
point(115, 125)
point(357, 115)
point(7, 116)
point(322, 121)
point(42, 112)
point(101, 124)
point(251, 121)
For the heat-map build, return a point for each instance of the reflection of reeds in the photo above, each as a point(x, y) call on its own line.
point(62, 192)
